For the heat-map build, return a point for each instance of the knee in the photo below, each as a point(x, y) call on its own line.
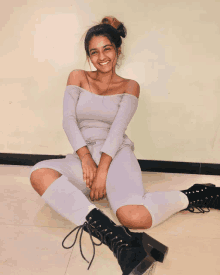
point(37, 175)
point(42, 178)
point(134, 216)
point(125, 219)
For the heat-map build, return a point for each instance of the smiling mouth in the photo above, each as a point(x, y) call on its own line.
point(103, 64)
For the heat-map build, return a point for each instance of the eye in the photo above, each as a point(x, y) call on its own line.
point(106, 49)
point(93, 53)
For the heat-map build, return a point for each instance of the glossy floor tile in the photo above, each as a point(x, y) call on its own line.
point(32, 232)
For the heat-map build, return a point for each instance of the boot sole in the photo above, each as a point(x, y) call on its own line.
point(156, 249)
point(145, 267)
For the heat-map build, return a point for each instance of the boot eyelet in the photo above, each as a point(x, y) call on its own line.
point(202, 190)
point(189, 192)
point(90, 218)
point(99, 226)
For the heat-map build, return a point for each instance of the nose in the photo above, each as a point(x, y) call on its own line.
point(102, 56)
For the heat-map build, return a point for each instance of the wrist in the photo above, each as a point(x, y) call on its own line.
point(104, 162)
point(82, 151)
point(85, 155)
point(103, 168)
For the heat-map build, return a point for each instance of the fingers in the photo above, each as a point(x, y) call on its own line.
point(89, 168)
point(88, 178)
point(97, 195)
point(104, 195)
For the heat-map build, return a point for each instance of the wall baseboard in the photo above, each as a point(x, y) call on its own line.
point(146, 165)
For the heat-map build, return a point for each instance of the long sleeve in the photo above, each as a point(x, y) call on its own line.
point(70, 125)
point(126, 111)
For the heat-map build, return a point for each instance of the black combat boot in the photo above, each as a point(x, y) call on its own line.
point(202, 197)
point(136, 252)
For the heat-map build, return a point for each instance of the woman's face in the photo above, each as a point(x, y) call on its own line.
point(102, 53)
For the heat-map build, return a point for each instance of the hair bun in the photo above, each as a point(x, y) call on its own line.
point(122, 30)
point(110, 20)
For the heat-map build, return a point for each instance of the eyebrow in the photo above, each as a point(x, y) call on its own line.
point(103, 47)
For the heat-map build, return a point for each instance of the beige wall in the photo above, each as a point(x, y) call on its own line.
point(172, 50)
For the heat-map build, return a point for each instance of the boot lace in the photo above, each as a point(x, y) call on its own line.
point(90, 228)
point(201, 205)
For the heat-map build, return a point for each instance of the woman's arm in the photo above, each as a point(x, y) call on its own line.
point(104, 162)
point(75, 79)
point(126, 111)
point(70, 124)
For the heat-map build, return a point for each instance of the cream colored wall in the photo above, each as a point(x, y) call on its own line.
point(172, 50)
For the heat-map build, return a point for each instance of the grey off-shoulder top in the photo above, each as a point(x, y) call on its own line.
point(89, 117)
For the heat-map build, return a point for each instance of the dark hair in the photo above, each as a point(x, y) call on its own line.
point(113, 34)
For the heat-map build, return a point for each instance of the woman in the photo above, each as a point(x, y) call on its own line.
point(98, 106)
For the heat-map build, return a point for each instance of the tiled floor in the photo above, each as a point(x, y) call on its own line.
point(32, 233)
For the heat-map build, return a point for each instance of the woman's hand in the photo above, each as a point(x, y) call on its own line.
point(98, 188)
point(89, 169)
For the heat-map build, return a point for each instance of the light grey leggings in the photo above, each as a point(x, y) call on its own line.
point(124, 172)
point(123, 183)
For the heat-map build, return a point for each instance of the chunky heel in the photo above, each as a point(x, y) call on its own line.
point(156, 249)
point(146, 267)
point(126, 246)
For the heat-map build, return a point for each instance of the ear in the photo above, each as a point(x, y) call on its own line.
point(119, 51)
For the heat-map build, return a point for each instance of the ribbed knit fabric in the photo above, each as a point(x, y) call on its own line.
point(162, 205)
point(68, 200)
point(72, 204)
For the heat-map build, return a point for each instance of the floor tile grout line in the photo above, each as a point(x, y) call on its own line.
point(68, 262)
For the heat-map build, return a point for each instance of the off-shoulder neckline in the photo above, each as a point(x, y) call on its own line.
point(102, 95)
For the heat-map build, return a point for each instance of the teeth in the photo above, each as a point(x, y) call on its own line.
point(104, 63)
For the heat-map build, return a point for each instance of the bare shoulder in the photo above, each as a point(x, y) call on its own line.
point(75, 78)
point(133, 88)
